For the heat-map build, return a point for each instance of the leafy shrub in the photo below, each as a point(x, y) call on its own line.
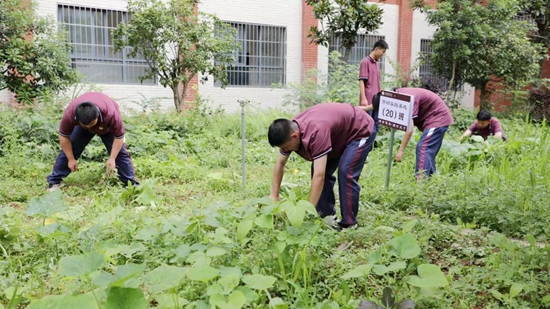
point(539, 103)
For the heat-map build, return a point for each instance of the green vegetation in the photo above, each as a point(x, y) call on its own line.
point(190, 238)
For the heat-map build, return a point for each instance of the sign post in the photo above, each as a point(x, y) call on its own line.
point(395, 111)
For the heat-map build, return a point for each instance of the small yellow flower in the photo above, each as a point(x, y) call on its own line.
point(296, 171)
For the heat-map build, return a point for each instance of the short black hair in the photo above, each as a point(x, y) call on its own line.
point(380, 44)
point(484, 115)
point(86, 112)
point(279, 132)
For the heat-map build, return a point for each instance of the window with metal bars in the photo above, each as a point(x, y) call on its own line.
point(261, 58)
point(92, 46)
point(362, 48)
point(525, 16)
point(425, 69)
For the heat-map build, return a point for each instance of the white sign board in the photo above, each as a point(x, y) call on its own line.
point(396, 110)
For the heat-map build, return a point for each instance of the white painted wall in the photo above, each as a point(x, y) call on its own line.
point(281, 13)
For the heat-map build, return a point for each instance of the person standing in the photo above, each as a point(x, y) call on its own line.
point(369, 80)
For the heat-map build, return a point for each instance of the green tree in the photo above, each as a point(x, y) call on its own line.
point(177, 43)
point(343, 19)
point(477, 44)
point(34, 55)
point(539, 12)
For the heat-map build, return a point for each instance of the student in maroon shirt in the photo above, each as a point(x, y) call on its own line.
point(484, 126)
point(91, 114)
point(431, 116)
point(331, 135)
point(369, 79)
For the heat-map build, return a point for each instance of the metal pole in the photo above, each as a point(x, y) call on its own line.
point(389, 159)
point(243, 157)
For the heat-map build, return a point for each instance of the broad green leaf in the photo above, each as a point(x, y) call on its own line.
point(251, 295)
point(496, 294)
point(259, 282)
point(404, 246)
point(227, 271)
point(243, 228)
point(80, 265)
point(409, 226)
point(358, 272)
point(296, 215)
point(515, 289)
point(375, 256)
point(406, 304)
point(202, 273)
point(217, 300)
point(80, 301)
point(125, 273)
point(125, 298)
point(130, 250)
point(546, 300)
point(429, 275)
point(46, 205)
point(182, 251)
point(388, 300)
point(264, 221)
point(130, 269)
point(47, 302)
point(197, 256)
point(146, 234)
point(307, 206)
point(284, 206)
point(477, 138)
point(235, 300)
point(168, 301)
point(103, 279)
point(47, 230)
point(383, 269)
point(229, 283)
point(214, 289)
point(277, 303)
point(215, 251)
point(164, 277)
point(367, 304)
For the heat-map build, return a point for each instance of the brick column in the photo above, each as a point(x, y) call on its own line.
point(192, 88)
point(404, 36)
point(309, 50)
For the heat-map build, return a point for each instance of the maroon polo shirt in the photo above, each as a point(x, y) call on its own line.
point(429, 109)
point(326, 129)
point(110, 119)
point(493, 128)
point(369, 72)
